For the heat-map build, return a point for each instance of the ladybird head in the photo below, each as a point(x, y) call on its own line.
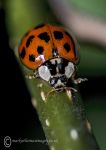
point(58, 81)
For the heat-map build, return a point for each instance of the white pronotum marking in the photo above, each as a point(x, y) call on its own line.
point(53, 61)
point(44, 73)
point(69, 70)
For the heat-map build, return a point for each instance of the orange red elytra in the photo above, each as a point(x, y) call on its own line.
point(52, 53)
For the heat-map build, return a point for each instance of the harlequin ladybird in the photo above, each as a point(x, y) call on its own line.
point(52, 53)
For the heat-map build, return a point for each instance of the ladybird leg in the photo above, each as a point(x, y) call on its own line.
point(50, 92)
point(65, 88)
point(79, 80)
point(30, 76)
point(55, 90)
point(60, 90)
point(70, 88)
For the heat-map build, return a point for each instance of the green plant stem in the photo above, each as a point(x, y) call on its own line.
point(62, 117)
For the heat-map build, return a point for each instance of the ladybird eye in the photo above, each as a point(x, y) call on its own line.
point(53, 81)
point(63, 78)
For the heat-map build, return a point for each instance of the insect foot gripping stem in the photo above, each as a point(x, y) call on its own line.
point(58, 90)
point(30, 76)
point(79, 80)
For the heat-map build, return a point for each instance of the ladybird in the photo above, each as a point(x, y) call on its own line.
point(52, 53)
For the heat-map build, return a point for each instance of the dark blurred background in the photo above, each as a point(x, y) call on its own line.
point(19, 118)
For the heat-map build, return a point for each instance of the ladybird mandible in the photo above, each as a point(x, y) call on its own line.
point(52, 53)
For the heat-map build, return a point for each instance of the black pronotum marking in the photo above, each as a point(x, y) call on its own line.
point(58, 35)
point(29, 40)
point(70, 38)
point(44, 36)
point(61, 66)
point(23, 53)
point(67, 47)
point(51, 67)
point(40, 49)
point(39, 26)
point(31, 58)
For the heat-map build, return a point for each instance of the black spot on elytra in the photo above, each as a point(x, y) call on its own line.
point(58, 35)
point(23, 53)
point(54, 52)
point(29, 40)
point(40, 49)
point(31, 58)
point(71, 40)
point(70, 37)
point(44, 36)
point(67, 47)
point(39, 26)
